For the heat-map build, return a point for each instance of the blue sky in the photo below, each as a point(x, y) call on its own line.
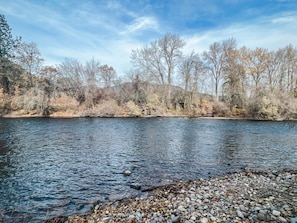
point(109, 30)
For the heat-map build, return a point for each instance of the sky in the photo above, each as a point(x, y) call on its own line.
point(108, 30)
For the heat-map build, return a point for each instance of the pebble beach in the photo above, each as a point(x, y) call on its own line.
point(251, 196)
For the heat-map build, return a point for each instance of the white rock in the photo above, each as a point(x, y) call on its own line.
point(203, 220)
point(213, 218)
point(276, 213)
point(193, 218)
point(127, 173)
point(281, 219)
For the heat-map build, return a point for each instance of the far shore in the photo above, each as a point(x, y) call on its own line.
point(11, 116)
point(71, 116)
point(15, 116)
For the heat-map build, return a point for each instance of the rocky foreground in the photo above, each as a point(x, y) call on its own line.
point(241, 197)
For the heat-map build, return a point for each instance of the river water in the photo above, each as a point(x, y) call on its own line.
point(52, 167)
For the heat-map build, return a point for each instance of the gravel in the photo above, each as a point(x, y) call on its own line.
point(269, 196)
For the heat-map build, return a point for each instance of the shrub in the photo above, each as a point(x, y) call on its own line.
point(220, 109)
point(132, 109)
point(63, 102)
point(108, 109)
point(266, 108)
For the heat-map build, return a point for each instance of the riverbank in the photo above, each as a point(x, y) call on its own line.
point(240, 197)
point(70, 115)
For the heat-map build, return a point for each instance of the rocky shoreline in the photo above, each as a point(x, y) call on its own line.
point(251, 196)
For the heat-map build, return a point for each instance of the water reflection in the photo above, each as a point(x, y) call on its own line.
point(54, 167)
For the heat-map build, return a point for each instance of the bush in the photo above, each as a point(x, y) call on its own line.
point(220, 109)
point(132, 109)
point(264, 108)
point(63, 102)
point(108, 109)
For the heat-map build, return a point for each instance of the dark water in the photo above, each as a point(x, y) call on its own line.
point(51, 167)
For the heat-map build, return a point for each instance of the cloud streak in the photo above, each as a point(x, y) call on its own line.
point(141, 24)
point(271, 32)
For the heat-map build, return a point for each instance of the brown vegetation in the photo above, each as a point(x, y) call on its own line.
point(255, 83)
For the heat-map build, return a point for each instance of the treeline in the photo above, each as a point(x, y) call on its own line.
point(224, 80)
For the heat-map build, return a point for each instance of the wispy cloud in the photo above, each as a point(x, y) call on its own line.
point(141, 24)
point(109, 30)
point(271, 32)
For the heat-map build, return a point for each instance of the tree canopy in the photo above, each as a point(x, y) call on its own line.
point(7, 42)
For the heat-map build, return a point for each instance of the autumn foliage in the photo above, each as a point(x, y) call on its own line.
point(224, 81)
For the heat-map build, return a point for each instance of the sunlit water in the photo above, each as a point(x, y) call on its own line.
point(51, 167)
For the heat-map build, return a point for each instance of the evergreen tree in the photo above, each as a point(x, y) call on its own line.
point(7, 42)
point(7, 45)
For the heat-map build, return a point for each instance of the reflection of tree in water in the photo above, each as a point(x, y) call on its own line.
point(8, 143)
point(4, 159)
point(230, 147)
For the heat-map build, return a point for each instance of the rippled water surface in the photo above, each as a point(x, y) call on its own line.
point(51, 167)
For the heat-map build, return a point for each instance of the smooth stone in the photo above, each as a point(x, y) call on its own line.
point(135, 186)
point(127, 173)
point(286, 207)
point(213, 218)
point(276, 213)
point(175, 219)
point(239, 214)
point(242, 208)
point(106, 219)
point(203, 220)
point(261, 216)
point(131, 216)
point(193, 218)
point(281, 219)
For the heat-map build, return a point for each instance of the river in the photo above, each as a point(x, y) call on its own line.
point(52, 167)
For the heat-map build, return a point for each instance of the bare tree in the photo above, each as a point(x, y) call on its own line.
point(255, 62)
point(90, 77)
point(158, 61)
point(191, 70)
point(274, 74)
point(107, 75)
point(234, 76)
point(171, 47)
point(214, 61)
point(29, 58)
point(147, 63)
point(289, 67)
point(70, 79)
